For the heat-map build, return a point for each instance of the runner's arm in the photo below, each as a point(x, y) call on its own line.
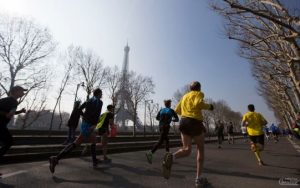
point(178, 108)
point(23, 110)
point(264, 121)
point(206, 106)
point(176, 119)
point(82, 107)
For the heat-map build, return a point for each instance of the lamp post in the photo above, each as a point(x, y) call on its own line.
point(80, 84)
point(155, 110)
point(146, 101)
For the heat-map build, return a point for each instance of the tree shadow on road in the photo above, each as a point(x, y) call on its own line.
point(277, 166)
point(239, 174)
point(117, 181)
point(141, 170)
point(136, 170)
point(283, 154)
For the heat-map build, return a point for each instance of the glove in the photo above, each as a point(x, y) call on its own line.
point(211, 107)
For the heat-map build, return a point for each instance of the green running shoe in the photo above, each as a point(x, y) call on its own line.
point(149, 156)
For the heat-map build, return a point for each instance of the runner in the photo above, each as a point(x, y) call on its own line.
point(230, 133)
point(275, 132)
point(8, 107)
point(267, 133)
point(73, 122)
point(191, 128)
point(296, 126)
point(244, 132)
point(106, 120)
point(164, 117)
point(90, 118)
point(255, 122)
point(220, 132)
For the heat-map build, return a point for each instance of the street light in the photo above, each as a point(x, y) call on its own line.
point(155, 110)
point(80, 84)
point(146, 101)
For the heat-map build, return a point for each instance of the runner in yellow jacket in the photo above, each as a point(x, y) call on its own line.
point(255, 122)
point(191, 128)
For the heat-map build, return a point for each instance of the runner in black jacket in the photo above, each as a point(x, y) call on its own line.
point(90, 118)
point(164, 117)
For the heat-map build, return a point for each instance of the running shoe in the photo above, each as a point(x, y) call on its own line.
point(149, 157)
point(52, 163)
point(167, 165)
point(201, 182)
point(261, 163)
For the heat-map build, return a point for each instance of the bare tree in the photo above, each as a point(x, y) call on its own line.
point(35, 105)
point(152, 112)
point(64, 82)
point(139, 88)
point(24, 47)
point(180, 92)
point(113, 85)
point(207, 117)
point(269, 35)
point(88, 69)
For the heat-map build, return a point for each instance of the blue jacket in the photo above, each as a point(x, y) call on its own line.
point(165, 116)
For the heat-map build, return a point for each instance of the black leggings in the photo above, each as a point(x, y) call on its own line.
point(164, 131)
point(6, 140)
point(220, 138)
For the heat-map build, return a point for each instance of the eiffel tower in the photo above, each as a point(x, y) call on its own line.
point(124, 103)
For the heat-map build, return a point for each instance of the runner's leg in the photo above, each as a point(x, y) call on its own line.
point(199, 140)
point(166, 135)
point(93, 140)
point(104, 145)
point(160, 141)
point(53, 160)
point(7, 140)
point(186, 147)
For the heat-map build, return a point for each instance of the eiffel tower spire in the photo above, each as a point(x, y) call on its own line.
point(124, 102)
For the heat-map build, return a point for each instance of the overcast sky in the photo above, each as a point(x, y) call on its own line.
point(172, 41)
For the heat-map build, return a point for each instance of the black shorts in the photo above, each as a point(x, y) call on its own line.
point(191, 127)
point(103, 130)
point(258, 139)
point(164, 129)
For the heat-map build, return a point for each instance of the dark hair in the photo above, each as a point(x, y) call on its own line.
point(110, 107)
point(195, 86)
point(97, 92)
point(16, 89)
point(168, 102)
point(251, 107)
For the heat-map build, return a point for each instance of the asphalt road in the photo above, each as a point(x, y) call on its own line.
point(232, 166)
